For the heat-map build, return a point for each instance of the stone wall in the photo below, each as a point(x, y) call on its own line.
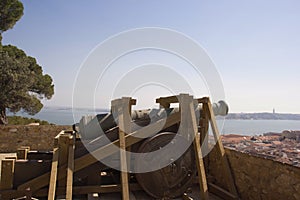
point(256, 177)
point(37, 137)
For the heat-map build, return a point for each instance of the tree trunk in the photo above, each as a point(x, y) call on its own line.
point(3, 118)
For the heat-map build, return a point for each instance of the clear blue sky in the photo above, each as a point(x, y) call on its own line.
point(255, 44)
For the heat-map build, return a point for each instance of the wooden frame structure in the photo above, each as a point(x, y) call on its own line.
point(60, 179)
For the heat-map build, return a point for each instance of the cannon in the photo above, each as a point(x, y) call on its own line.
point(93, 128)
point(89, 125)
point(92, 157)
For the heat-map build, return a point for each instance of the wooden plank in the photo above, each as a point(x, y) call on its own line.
point(221, 192)
point(7, 174)
point(79, 190)
point(70, 168)
point(104, 151)
point(226, 167)
point(53, 177)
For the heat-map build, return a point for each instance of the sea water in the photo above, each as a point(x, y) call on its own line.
point(67, 116)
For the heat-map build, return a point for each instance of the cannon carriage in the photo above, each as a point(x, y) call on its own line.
point(94, 157)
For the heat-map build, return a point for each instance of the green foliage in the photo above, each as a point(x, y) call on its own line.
point(18, 120)
point(22, 82)
point(10, 12)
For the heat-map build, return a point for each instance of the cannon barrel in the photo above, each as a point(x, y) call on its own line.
point(89, 125)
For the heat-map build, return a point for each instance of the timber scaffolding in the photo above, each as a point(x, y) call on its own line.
point(25, 177)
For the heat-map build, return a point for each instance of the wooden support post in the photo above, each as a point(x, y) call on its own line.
point(7, 174)
point(188, 117)
point(63, 145)
point(204, 127)
point(63, 155)
point(124, 175)
point(22, 153)
point(128, 148)
point(53, 176)
point(70, 168)
point(54, 169)
point(123, 108)
point(226, 168)
point(189, 129)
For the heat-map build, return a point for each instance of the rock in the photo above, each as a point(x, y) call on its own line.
point(33, 124)
point(13, 130)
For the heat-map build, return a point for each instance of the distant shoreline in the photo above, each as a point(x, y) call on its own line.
point(263, 116)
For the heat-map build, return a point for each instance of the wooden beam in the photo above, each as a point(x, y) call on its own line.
point(169, 99)
point(63, 145)
point(123, 107)
point(124, 174)
point(203, 100)
point(11, 157)
point(104, 151)
point(7, 174)
point(13, 194)
point(53, 176)
point(77, 190)
point(129, 126)
point(70, 169)
point(204, 127)
point(221, 192)
point(226, 167)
